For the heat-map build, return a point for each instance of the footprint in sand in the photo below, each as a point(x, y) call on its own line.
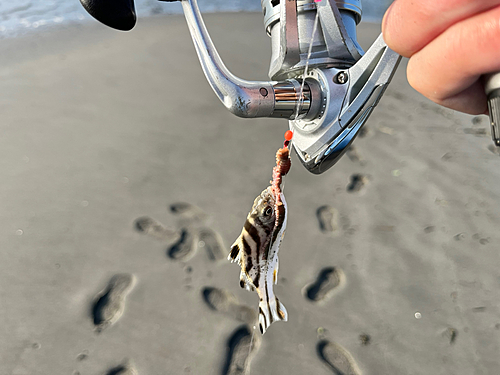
point(476, 120)
point(110, 303)
point(155, 229)
point(364, 131)
point(451, 334)
point(478, 132)
point(82, 356)
point(329, 279)
point(354, 156)
point(188, 213)
point(127, 368)
point(212, 242)
point(357, 183)
point(338, 359)
point(494, 149)
point(185, 248)
point(225, 302)
point(365, 339)
point(241, 349)
point(328, 218)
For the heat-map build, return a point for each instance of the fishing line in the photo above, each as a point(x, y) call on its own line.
point(306, 69)
point(289, 137)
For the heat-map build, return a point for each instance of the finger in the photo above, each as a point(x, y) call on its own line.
point(410, 25)
point(472, 100)
point(457, 58)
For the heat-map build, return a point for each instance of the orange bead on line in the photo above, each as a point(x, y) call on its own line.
point(288, 135)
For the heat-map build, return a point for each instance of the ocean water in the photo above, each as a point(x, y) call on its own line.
point(20, 16)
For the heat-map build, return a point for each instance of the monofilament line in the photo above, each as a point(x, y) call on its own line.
point(307, 63)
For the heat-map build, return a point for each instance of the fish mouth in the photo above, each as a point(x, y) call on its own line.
point(268, 195)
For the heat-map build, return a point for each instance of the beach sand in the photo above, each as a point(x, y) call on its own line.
point(125, 181)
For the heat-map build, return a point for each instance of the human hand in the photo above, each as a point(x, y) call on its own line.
point(450, 43)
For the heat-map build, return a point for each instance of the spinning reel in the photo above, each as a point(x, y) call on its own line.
point(321, 81)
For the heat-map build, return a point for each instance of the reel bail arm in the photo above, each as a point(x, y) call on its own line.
point(241, 97)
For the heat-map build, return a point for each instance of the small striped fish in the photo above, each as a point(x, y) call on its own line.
point(256, 250)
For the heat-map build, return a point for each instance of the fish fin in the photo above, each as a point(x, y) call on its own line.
point(275, 272)
point(281, 310)
point(234, 254)
point(270, 312)
point(245, 282)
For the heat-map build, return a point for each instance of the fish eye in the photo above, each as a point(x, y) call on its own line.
point(268, 211)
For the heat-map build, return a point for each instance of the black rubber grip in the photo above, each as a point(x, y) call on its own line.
point(118, 14)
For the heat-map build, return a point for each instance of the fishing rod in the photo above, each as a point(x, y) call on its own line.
point(320, 79)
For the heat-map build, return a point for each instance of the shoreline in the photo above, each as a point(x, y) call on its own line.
point(83, 19)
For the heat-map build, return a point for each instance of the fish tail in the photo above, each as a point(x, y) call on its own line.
point(269, 312)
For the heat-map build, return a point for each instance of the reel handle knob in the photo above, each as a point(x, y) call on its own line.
point(118, 14)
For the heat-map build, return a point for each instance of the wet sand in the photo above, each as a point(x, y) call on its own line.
point(124, 180)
